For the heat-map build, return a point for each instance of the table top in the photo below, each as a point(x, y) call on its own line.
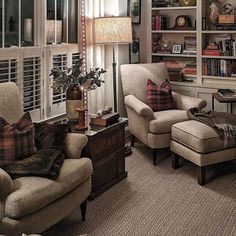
point(94, 129)
point(224, 99)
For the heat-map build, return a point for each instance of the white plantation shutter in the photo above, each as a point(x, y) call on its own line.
point(8, 70)
point(59, 61)
point(32, 83)
point(75, 57)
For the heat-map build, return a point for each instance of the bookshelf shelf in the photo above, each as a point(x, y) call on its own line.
point(173, 55)
point(173, 8)
point(220, 57)
point(219, 31)
point(175, 31)
point(218, 77)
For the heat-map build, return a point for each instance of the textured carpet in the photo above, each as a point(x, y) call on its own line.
point(157, 200)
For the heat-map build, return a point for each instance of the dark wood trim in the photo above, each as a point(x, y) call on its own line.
point(83, 208)
point(132, 140)
point(154, 156)
point(175, 161)
point(201, 175)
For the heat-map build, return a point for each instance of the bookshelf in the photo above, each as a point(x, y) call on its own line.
point(211, 72)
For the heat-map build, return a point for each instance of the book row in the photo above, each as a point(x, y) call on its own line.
point(219, 67)
point(159, 22)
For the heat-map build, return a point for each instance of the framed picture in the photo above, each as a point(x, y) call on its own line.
point(176, 48)
point(134, 11)
point(134, 51)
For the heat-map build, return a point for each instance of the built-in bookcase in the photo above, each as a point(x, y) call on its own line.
point(213, 70)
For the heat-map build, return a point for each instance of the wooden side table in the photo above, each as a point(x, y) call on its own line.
point(221, 99)
point(106, 149)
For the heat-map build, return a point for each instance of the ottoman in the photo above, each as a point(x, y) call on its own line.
point(201, 145)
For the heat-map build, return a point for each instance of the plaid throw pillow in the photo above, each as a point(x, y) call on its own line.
point(159, 97)
point(16, 140)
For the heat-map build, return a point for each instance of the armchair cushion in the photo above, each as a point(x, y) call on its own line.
point(159, 97)
point(16, 139)
point(34, 193)
point(6, 184)
point(165, 119)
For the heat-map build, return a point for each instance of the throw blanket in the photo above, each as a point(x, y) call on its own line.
point(45, 163)
point(222, 122)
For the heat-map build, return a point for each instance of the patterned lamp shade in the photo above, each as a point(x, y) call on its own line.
point(113, 29)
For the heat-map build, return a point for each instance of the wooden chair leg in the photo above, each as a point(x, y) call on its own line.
point(175, 161)
point(132, 140)
point(201, 175)
point(83, 208)
point(154, 156)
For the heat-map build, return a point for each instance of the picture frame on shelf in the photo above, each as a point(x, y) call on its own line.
point(134, 51)
point(177, 48)
point(134, 11)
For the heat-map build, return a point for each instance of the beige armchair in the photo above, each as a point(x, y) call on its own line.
point(152, 128)
point(33, 204)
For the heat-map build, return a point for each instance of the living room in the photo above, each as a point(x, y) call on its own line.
point(117, 117)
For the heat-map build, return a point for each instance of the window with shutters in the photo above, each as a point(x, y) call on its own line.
point(36, 36)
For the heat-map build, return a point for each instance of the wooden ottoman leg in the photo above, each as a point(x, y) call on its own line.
point(201, 175)
point(132, 140)
point(175, 161)
point(83, 208)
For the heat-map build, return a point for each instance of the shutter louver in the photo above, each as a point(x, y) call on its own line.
point(59, 61)
point(75, 57)
point(32, 83)
point(8, 70)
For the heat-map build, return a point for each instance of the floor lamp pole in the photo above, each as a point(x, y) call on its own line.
point(114, 80)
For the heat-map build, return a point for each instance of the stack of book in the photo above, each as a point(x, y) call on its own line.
point(105, 120)
point(159, 3)
point(212, 49)
point(190, 68)
point(226, 93)
point(174, 70)
point(226, 26)
point(159, 22)
point(190, 45)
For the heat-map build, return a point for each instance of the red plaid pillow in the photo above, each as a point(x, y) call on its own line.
point(16, 140)
point(159, 97)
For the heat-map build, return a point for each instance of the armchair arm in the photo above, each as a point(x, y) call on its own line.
point(6, 184)
point(186, 102)
point(139, 107)
point(74, 145)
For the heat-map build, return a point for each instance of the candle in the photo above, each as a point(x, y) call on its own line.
point(28, 30)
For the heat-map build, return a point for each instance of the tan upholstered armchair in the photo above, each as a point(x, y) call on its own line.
point(33, 204)
point(152, 128)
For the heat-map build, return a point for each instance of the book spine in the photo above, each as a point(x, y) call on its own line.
point(157, 22)
point(153, 22)
point(211, 52)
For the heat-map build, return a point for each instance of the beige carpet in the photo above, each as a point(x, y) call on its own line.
point(156, 200)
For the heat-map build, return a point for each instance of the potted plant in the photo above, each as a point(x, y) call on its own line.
point(74, 81)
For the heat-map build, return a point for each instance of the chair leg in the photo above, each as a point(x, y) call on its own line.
point(154, 156)
point(175, 161)
point(201, 175)
point(132, 140)
point(83, 208)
